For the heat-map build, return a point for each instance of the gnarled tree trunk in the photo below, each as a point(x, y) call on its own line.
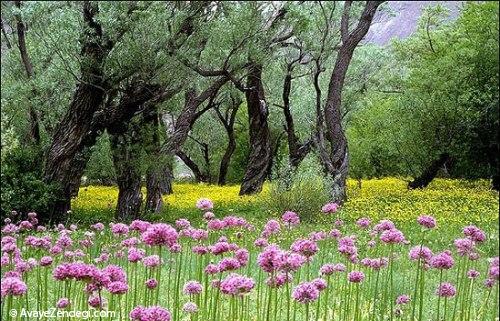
point(126, 151)
point(63, 166)
point(430, 172)
point(334, 151)
point(260, 145)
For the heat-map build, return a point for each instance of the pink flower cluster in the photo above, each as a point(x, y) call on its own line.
point(305, 292)
point(13, 286)
point(160, 234)
point(204, 204)
point(290, 219)
point(153, 313)
point(236, 285)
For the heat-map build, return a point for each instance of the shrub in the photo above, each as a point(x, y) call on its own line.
point(23, 188)
point(304, 190)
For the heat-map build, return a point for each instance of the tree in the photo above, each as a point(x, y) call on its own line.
point(333, 148)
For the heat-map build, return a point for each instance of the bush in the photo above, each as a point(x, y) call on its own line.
point(304, 191)
point(23, 188)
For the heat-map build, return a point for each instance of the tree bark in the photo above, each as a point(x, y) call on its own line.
point(34, 133)
point(296, 151)
point(199, 176)
point(335, 156)
point(430, 172)
point(260, 146)
point(126, 149)
point(228, 121)
point(63, 164)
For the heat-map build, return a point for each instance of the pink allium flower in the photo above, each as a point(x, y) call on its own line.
point(154, 313)
point(175, 248)
point(182, 223)
point(198, 234)
point(119, 229)
point(135, 314)
point(138, 225)
point(46, 261)
point(489, 283)
point(12, 286)
point(335, 234)
point(117, 287)
point(5, 259)
point(160, 234)
point(62, 303)
point(190, 307)
point(421, 252)
point(64, 241)
point(200, 249)
point(317, 236)
point(235, 284)
point(96, 302)
point(474, 233)
point(10, 229)
point(356, 276)
point(211, 269)
point(305, 292)
point(242, 255)
point(472, 274)
point(320, 284)
point(371, 243)
point(493, 272)
point(151, 261)
point(291, 262)
point(271, 227)
point(192, 288)
point(55, 250)
point(446, 290)
point(279, 280)
point(25, 225)
point(363, 222)
point(290, 219)
point(220, 248)
point(327, 269)
point(229, 264)
point(403, 299)
point(305, 247)
point(216, 224)
point(442, 261)
point(338, 222)
point(427, 221)
point(132, 241)
point(151, 283)
point(464, 246)
point(330, 208)
point(204, 204)
point(135, 254)
point(208, 216)
point(392, 236)
point(269, 259)
point(98, 226)
point(115, 273)
point(384, 225)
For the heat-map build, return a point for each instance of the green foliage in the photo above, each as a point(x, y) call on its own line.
point(100, 168)
point(23, 189)
point(303, 191)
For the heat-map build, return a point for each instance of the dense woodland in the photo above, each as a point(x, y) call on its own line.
point(240, 93)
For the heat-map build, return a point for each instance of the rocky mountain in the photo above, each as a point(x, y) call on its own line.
point(399, 19)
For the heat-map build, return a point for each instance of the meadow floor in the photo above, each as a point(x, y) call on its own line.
point(209, 255)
